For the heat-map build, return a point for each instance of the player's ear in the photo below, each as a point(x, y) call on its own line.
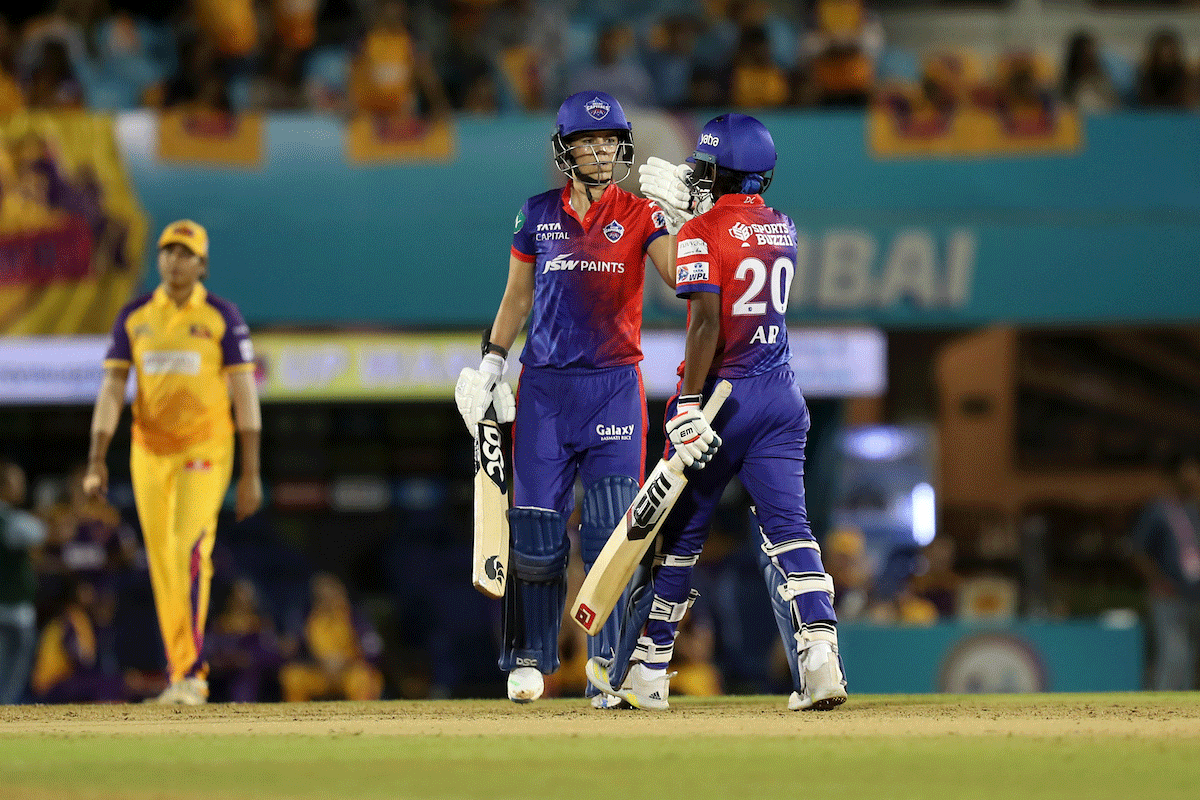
point(204, 262)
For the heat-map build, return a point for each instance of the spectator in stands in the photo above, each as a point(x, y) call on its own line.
point(126, 75)
point(1085, 83)
point(616, 69)
point(756, 81)
point(281, 85)
point(845, 557)
point(295, 23)
point(338, 652)
point(391, 73)
point(11, 97)
point(843, 41)
point(1166, 551)
point(671, 58)
point(244, 651)
point(52, 82)
point(199, 82)
point(230, 24)
point(936, 580)
point(20, 532)
point(526, 41)
point(1163, 80)
point(1023, 98)
point(75, 662)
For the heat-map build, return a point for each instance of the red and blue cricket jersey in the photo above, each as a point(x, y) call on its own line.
point(588, 277)
point(745, 251)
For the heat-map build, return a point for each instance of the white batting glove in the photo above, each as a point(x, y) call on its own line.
point(473, 391)
point(663, 182)
point(504, 402)
point(694, 439)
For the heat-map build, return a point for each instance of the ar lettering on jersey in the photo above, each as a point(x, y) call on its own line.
point(691, 273)
point(767, 334)
point(692, 247)
point(564, 263)
point(171, 362)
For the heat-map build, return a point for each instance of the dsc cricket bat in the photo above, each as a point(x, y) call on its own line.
point(628, 543)
point(489, 560)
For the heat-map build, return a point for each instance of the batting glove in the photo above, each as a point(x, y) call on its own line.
point(504, 402)
point(663, 182)
point(473, 391)
point(694, 439)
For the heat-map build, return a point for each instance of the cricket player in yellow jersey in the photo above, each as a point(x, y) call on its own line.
point(192, 353)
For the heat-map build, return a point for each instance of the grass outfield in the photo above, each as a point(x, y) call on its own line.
point(1014, 746)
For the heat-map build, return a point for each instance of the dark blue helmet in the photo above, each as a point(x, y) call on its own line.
point(585, 112)
point(738, 144)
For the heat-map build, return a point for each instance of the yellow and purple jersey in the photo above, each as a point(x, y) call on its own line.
point(181, 355)
point(745, 251)
point(588, 277)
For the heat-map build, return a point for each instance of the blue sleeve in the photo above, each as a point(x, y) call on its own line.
point(522, 235)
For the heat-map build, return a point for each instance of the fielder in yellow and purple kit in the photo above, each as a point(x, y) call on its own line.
point(192, 351)
point(735, 264)
point(577, 263)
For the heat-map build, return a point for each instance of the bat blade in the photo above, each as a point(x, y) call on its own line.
point(637, 530)
point(489, 561)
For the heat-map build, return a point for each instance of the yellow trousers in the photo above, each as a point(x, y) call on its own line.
point(178, 497)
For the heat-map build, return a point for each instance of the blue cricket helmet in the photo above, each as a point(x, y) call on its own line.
point(590, 111)
point(584, 112)
point(734, 143)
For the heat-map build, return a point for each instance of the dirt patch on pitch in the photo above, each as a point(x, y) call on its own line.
point(1041, 715)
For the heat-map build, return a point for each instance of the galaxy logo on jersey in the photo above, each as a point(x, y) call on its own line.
point(564, 263)
point(691, 273)
point(692, 247)
point(741, 231)
point(658, 218)
point(609, 433)
point(597, 108)
point(614, 231)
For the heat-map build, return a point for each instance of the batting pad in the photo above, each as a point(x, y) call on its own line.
point(537, 589)
point(604, 504)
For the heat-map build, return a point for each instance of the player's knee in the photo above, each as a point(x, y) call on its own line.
point(540, 548)
point(604, 503)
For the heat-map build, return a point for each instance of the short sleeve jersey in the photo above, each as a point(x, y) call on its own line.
point(181, 355)
point(588, 277)
point(744, 251)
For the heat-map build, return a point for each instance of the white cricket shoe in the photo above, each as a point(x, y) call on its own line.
point(186, 692)
point(525, 684)
point(607, 701)
point(824, 685)
point(642, 688)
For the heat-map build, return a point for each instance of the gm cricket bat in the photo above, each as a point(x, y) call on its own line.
point(628, 543)
point(489, 560)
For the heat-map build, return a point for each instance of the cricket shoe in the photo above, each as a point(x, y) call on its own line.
point(607, 701)
point(597, 675)
point(824, 686)
point(186, 692)
point(525, 684)
point(643, 687)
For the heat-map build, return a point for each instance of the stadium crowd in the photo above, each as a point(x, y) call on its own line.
point(512, 56)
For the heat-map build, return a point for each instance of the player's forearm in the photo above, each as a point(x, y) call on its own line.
point(704, 331)
point(662, 252)
point(248, 417)
point(107, 413)
point(249, 441)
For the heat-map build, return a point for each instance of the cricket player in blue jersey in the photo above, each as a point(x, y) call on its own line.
point(735, 264)
point(576, 270)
